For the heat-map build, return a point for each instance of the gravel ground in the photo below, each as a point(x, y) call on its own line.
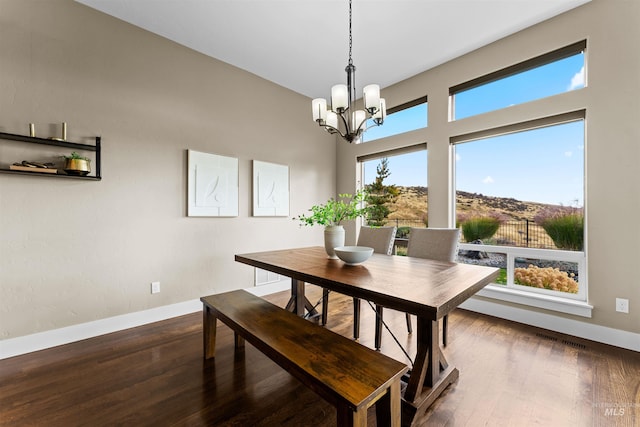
point(500, 261)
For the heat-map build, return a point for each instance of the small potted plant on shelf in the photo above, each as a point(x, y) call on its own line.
point(331, 214)
point(75, 164)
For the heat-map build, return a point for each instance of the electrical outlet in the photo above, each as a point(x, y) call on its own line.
point(622, 305)
point(155, 287)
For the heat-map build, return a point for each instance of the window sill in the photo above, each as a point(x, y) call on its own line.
point(547, 302)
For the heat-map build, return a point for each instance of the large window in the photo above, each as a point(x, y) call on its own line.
point(553, 73)
point(400, 119)
point(519, 203)
point(518, 190)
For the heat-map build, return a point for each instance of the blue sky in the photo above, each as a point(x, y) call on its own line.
point(544, 165)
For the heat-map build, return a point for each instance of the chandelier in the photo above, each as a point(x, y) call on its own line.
point(341, 117)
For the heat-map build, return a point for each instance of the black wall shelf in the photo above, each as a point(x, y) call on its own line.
point(56, 143)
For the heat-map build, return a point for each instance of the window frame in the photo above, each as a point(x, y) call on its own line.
point(392, 110)
point(530, 64)
point(576, 304)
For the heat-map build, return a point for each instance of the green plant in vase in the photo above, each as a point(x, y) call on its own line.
point(75, 164)
point(331, 214)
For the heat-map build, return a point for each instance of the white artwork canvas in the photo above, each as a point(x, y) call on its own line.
point(213, 185)
point(270, 189)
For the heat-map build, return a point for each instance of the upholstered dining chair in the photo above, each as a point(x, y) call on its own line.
point(440, 244)
point(381, 239)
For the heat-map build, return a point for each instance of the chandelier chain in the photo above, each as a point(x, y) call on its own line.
point(350, 37)
point(341, 117)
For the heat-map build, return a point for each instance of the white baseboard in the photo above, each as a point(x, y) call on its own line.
point(42, 340)
point(602, 334)
point(271, 288)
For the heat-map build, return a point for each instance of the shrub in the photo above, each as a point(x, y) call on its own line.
point(564, 225)
point(479, 227)
point(546, 278)
point(403, 232)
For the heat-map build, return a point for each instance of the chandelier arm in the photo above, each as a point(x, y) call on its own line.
point(328, 128)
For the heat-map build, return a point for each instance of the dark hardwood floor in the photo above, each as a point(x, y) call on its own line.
point(510, 375)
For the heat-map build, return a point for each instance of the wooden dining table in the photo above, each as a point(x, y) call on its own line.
point(425, 288)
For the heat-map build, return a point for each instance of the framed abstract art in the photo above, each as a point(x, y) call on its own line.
point(270, 189)
point(213, 185)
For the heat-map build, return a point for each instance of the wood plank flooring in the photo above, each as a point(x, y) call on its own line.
point(154, 375)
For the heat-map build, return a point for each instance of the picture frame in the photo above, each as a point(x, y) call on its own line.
point(212, 185)
point(270, 189)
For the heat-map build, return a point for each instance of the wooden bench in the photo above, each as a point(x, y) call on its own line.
point(346, 374)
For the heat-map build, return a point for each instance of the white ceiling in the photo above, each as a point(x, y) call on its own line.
point(303, 44)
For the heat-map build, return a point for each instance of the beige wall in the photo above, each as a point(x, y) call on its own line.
point(612, 29)
point(74, 251)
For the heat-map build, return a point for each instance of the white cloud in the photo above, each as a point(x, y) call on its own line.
point(568, 153)
point(488, 180)
point(577, 81)
point(457, 157)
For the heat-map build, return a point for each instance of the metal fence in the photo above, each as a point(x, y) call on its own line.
point(523, 234)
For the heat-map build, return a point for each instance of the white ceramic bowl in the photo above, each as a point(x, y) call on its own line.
point(353, 254)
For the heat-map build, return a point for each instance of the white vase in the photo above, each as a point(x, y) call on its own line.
point(333, 237)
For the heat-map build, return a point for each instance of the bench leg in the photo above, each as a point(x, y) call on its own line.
point(389, 406)
point(209, 332)
point(349, 418)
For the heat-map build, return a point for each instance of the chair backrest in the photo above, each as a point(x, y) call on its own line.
point(440, 244)
point(379, 238)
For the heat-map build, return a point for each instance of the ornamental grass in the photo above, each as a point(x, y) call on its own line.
point(546, 278)
point(564, 225)
point(479, 227)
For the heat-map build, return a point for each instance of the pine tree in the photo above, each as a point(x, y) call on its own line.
point(380, 196)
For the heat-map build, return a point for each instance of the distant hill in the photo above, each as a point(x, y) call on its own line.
point(412, 203)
